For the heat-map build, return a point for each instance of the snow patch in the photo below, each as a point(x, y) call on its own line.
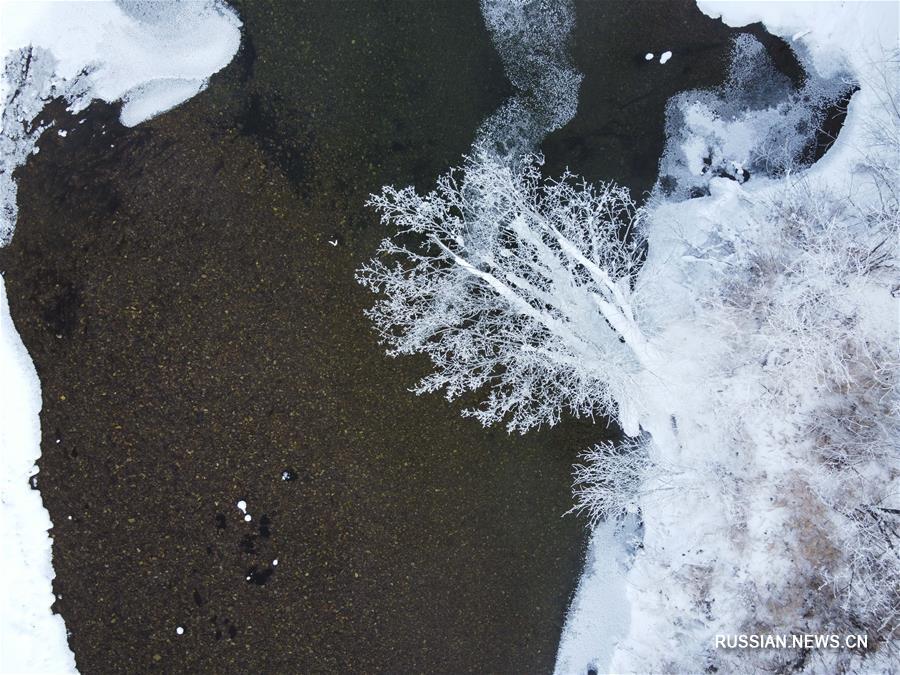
point(598, 616)
point(532, 38)
point(242, 507)
point(151, 56)
point(33, 638)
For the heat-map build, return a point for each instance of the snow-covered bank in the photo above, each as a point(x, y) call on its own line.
point(770, 500)
point(598, 616)
point(856, 36)
point(151, 56)
point(33, 638)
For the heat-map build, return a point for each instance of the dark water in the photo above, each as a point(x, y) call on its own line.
point(199, 342)
point(618, 133)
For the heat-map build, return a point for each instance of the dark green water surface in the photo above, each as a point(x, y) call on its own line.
point(196, 336)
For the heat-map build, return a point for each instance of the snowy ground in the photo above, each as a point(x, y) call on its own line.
point(33, 638)
point(747, 531)
point(598, 617)
point(151, 56)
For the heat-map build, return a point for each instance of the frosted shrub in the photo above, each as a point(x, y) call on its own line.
point(28, 72)
point(609, 483)
point(856, 427)
point(857, 478)
point(801, 277)
point(810, 280)
point(882, 157)
point(513, 283)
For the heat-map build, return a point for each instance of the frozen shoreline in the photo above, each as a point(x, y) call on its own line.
point(836, 37)
point(33, 637)
point(78, 51)
point(598, 616)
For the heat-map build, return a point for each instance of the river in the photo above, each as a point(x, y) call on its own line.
point(185, 289)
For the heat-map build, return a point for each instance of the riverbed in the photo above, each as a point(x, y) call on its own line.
point(185, 289)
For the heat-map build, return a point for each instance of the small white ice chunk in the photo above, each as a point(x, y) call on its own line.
point(665, 56)
point(275, 562)
point(648, 56)
point(62, 132)
point(179, 630)
point(248, 518)
point(242, 505)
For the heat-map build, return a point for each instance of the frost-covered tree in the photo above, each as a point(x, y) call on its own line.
point(752, 354)
point(513, 283)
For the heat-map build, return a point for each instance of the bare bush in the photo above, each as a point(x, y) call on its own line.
point(608, 484)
